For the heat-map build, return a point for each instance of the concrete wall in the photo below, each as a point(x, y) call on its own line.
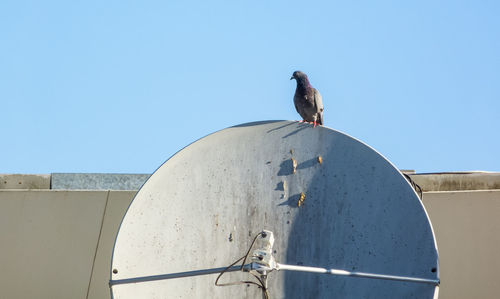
point(58, 243)
point(467, 228)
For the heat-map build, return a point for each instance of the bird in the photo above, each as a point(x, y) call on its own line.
point(307, 100)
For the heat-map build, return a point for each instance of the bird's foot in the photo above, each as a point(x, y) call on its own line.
point(309, 122)
point(316, 124)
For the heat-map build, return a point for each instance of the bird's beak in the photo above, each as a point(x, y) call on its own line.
point(292, 78)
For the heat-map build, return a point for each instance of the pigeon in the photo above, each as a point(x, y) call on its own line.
point(307, 100)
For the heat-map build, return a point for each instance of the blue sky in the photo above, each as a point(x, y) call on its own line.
point(120, 86)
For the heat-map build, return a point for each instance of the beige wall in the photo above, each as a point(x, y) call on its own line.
point(58, 243)
point(467, 228)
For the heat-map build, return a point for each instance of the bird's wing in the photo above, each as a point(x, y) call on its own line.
point(296, 103)
point(318, 103)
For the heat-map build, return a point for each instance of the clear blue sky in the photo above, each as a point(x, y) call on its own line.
point(120, 86)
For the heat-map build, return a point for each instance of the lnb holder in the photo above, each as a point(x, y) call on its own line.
point(262, 257)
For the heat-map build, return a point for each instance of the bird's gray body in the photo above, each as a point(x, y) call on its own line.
point(307, 99)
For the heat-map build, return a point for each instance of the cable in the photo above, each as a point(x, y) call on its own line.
point(250, 248)
point(260, 284)
point(415, 186)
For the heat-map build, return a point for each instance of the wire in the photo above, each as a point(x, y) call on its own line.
point(250, 248)
point(415, 186)
point(260, 284)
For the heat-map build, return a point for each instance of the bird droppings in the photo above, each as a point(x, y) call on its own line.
point(320, 160)
point(301, 199)
point(284, 189)
point(294, 165)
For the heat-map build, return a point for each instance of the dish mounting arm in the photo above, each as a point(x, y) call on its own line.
point(263, 262)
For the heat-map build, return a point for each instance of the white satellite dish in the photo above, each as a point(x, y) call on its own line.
point(332, 204)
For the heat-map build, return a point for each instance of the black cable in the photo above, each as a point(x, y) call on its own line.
point(250, 248)
point(232, 283)
point(260, 284)
point(415, 186)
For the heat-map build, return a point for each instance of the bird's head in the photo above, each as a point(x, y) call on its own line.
point(301, 78)
point(297, 75)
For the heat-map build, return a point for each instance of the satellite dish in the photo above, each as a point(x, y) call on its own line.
point(332, 204)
